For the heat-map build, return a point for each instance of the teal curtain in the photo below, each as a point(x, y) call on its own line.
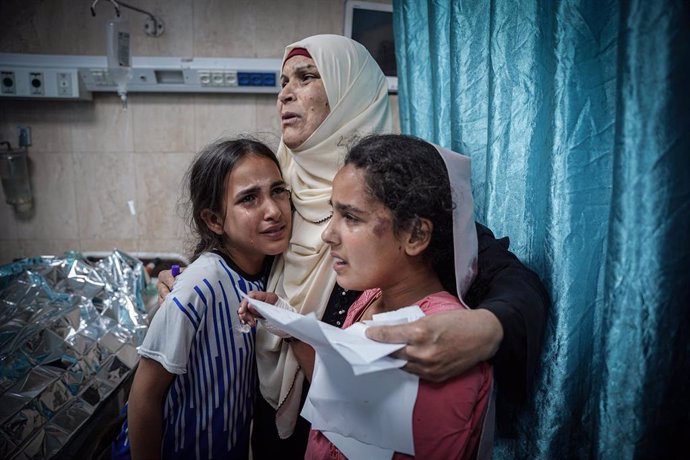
point(576, 114)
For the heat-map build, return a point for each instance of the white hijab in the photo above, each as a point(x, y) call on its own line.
point(464, 229)
point(358, 97)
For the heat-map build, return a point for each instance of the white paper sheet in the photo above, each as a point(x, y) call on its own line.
point(358, 397)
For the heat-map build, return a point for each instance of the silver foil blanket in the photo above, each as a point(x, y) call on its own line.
point(68, 336)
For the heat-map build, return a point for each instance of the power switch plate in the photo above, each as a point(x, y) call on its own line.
point(64, 84)
point(36, 83)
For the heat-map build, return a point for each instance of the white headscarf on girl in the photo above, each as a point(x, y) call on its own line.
point(464, 228)
point(465, 247)
point(358, 97)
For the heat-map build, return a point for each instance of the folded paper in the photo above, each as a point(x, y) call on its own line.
point(359, 397)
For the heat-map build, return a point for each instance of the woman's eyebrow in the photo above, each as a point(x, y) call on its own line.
point(301, 69)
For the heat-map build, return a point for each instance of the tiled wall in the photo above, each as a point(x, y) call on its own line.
point(89, 159)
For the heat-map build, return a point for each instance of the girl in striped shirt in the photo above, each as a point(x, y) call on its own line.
point(193, 391)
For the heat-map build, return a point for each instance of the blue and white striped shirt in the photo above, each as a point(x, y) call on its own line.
point(208, 409)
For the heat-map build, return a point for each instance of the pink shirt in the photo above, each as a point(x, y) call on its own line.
point(447, 417)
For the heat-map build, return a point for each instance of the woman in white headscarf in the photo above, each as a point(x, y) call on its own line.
point(310, 155)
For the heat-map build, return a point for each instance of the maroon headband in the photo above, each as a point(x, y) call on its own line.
point(297, 52)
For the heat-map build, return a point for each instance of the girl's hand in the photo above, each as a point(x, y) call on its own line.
point(247, 313)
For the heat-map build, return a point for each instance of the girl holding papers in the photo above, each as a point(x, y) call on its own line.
point(399, 206)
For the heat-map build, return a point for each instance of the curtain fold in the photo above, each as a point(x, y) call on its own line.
point(577, 117)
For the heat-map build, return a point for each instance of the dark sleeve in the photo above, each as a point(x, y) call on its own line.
point(517, 297)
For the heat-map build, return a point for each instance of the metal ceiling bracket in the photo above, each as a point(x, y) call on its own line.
point(154, 26)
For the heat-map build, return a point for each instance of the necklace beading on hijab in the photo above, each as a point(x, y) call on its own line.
point(320, 221)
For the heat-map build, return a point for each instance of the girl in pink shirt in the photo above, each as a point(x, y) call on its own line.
point(392, 236)
point(402, 231)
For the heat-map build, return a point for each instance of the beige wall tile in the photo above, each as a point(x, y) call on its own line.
point(223, 115)
point(108, 245)
point(8, 121)
point(76, 23)
point(203, 28)
point(180, 246)
point(163, 122)
point(103, 125)
point(16, 28)
point(29, 26)
point(225, 28)
point(8, 225)
point(54, 213)
point(50, 123)
point(178, 35)
point(160, 190)
point(267, 123)
point(104, 183)
point(47, 247)
point(306, 18)
point(10, 250)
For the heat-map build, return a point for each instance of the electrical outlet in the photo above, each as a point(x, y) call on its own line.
point(231, 78)
point(256, 78)
point(24, 134)
point(7, 83)
point(64, 84)
point(36, 83)
point(205, 78)
point(217, 78)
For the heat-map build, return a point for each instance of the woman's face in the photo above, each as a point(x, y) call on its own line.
point(366, 251)
point(302, 103)
point(258, 218)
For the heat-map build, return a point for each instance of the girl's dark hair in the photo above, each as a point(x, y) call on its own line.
point(206, 179)
point(409, 177)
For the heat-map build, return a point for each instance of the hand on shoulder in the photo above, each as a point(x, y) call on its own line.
point(164, 285)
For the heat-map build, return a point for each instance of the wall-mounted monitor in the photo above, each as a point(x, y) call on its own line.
point(371, 24)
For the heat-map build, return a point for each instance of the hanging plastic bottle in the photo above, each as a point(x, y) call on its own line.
point(119, 59)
